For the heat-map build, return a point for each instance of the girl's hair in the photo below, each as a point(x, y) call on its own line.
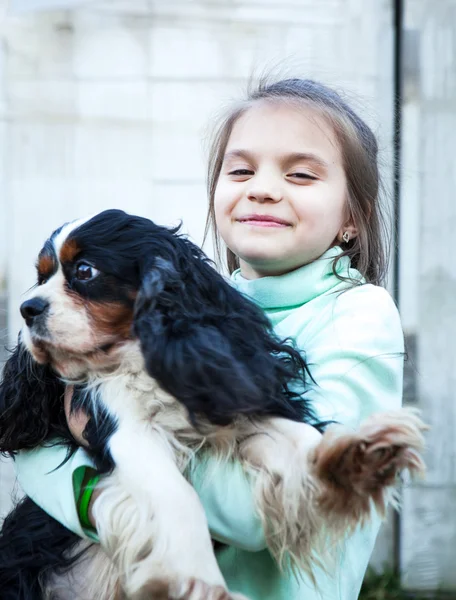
point(359, 151)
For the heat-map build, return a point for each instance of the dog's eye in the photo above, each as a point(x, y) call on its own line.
point(85, 272)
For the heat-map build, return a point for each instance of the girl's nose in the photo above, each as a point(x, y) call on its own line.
point(264, 194)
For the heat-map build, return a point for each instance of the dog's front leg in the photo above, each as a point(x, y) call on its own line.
point(313, 490)
point(280, 453)
point(151, 523)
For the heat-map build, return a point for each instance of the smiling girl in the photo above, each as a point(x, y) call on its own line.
point(293, 189)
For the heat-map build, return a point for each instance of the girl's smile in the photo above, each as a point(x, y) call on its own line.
point(268, 221)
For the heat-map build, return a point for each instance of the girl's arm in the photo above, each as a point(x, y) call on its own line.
point(56, 486)
point(356, 356)
point(355, 349)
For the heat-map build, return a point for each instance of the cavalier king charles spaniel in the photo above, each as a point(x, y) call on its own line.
point(167, 360)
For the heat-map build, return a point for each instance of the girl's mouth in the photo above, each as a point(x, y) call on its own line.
point(264, 221)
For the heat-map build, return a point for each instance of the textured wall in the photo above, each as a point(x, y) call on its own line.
point(429, 523)
point(6, 470)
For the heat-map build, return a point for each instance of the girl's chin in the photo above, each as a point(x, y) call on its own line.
point(263, 259)
point(255, 267)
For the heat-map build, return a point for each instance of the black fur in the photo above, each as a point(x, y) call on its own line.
point(99, 429)
point(31, 404)
point(32, 546)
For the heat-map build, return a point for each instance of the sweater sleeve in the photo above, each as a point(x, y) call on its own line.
point(54, 483)
point(356, 355)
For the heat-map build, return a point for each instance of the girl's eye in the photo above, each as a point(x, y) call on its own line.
point(85, 272)
point(241, 172)
point(303, 176)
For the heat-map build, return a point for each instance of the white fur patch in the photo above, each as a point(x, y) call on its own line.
point(64, 233)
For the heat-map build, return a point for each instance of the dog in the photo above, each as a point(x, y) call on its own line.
point(168, 359)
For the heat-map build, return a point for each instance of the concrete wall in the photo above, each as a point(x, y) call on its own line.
point(6, 469)
point(429, 523)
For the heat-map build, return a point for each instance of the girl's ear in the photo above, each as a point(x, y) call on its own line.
point(31, 403)
point(347, 232)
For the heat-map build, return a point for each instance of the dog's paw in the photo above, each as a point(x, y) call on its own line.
point(184, 589)
point(356, 469)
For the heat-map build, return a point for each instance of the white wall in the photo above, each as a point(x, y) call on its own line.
point(429, 524)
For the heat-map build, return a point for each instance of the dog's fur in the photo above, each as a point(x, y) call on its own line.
point(167, 358)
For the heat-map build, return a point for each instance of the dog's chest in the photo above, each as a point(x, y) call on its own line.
point(136, 397)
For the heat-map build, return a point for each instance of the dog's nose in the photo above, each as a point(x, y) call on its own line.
point(33, 308)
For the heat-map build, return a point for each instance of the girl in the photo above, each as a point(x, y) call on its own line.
point(293, 189)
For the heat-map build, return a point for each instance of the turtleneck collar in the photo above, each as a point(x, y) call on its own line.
point(293, 289)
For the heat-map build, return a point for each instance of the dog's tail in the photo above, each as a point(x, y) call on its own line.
point(33, 546)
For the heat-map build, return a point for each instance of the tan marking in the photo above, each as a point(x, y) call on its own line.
point(69, 250)
point(111, 318)
point(46, 265)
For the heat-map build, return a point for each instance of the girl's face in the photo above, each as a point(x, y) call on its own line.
point(280, 201)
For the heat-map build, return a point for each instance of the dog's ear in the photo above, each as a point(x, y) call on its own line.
point(31, 403)
point(213, 349)
point(161, 285)
point(190, 359)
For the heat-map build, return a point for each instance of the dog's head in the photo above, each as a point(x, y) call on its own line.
point(79, 315)
point(78, 318)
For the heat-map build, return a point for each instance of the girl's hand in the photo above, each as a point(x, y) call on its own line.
point(77, 421)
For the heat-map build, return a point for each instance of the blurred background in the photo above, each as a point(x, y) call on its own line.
point(108, 103)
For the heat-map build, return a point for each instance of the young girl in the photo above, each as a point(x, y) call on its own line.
point(293, 186)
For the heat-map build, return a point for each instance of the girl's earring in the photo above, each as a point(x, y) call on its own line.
point(346, 237)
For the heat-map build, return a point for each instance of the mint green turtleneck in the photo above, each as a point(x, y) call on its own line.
point(280, 296)
point(354, 344)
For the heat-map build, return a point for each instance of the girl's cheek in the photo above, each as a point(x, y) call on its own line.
point(217, 199)
point(219, 212)
point(224, 200)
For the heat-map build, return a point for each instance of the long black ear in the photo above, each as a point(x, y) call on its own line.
point(31, 403)
point(212, 348)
